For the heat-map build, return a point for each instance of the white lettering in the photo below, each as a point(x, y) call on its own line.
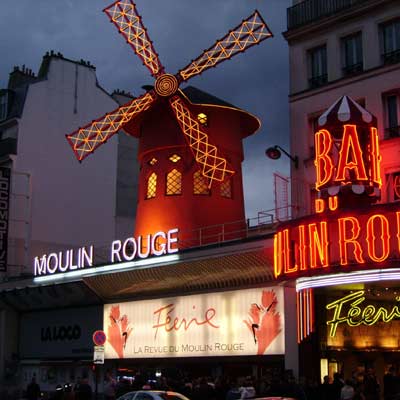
point(52, 268)
point(115, 249)
point(171, 240)
point(140, 246)
point(40, 265)
point(130, 245)
point(158, 248)
point(86, 258)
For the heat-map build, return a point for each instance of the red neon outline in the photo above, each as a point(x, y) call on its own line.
point(350, 142)
point(371, 238)
point(344, 241)
point(318, 241)
point(376, 158)
point(323, 139)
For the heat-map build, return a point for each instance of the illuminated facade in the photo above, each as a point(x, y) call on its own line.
point(343, 249)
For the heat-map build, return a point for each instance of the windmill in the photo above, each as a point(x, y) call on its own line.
point(166, 97)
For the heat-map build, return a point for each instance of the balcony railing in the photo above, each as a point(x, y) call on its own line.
point(352, 69)
point(317, 81)
point(392, 57)
point(312, 10)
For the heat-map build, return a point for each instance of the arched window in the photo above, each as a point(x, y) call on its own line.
point(151, 186)
point(200, 184)
point(174, 183)
point(226, 189)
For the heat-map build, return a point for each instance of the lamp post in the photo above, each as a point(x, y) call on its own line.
point(275, 152)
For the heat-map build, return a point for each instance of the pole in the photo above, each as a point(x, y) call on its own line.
point(96, 370)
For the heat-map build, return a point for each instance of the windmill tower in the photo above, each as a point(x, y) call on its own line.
point(190, 154)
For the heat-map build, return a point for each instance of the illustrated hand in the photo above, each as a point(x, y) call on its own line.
point(264, 321)
point(118, 331)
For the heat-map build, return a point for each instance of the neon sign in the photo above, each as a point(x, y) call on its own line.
point(142, 247)
point(318, 243)
point(356, 161)
point(354, 315)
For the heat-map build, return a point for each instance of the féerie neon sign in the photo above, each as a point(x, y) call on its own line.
point(354, 315)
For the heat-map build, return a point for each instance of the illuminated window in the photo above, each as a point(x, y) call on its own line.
point(202, 118)
point(352, 54)
point(153, 161)
point(318, 67)
point(174, 183)
point(390, 42)
point(226, 189)
point(175, 158)
point(200, 184)
point(151, 186)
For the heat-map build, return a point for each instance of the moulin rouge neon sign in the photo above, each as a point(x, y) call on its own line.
point(130, 249)
point(334, 237)
point(353, 163)
point(348, 310)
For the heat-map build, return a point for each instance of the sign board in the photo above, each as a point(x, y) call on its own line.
point(235, 323)
point(99, 338)
point(5, 190)
point(63, 333)
point(98, 355)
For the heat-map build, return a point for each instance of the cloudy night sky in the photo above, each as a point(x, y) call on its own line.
point(256, 81)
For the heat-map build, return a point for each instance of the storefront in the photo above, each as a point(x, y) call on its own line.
point(56, 347)
point(344, 258)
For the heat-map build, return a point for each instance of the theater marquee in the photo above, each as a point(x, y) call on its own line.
point(236, 323)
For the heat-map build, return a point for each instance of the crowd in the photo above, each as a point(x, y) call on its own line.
point(362, 386)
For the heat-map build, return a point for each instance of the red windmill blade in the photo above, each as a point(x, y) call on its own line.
point(129, 24)
point(124, 16)
point(250, 32)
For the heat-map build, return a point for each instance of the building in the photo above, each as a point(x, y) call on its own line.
point(36, 112)
point(46, 202)
point(348, 48)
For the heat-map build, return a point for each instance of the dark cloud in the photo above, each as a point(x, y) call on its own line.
point(256, 81)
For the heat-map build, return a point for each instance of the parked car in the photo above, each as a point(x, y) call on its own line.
point(152, 395)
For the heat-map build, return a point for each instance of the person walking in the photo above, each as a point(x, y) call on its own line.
point(33, 390)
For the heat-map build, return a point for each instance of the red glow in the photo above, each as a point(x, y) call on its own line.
point(346, 240)
point(323, 162)
point(350, 148)
point(372, 237)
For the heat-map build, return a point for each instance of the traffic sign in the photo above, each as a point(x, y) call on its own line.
point(99, 338)
point(98, 355)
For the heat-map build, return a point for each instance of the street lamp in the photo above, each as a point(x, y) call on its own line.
point(275, 152)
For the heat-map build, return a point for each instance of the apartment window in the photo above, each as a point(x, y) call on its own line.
point(3, 106)
point(318, 72)
point(174, 183)
point(352, 54)
point(151, 186)
point(391, 42)
point(392, 115)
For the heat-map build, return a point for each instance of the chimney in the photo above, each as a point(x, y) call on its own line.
point(20, 76)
